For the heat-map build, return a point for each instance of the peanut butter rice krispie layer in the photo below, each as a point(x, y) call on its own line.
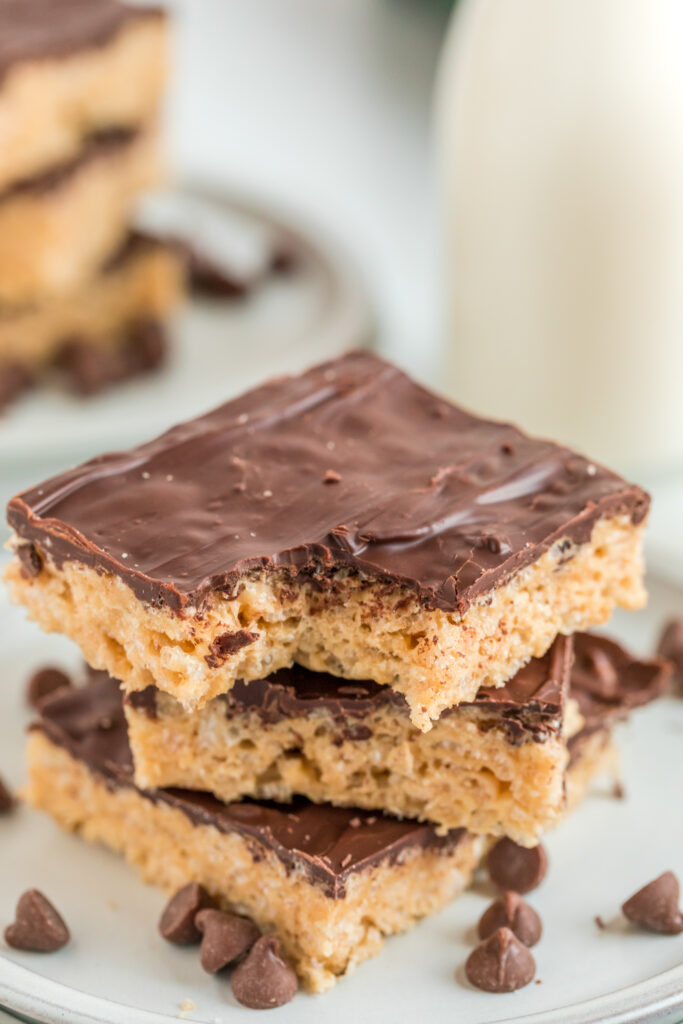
point(495, 766)
point(60, 226)
point(347, 520)
point(332, 882)
point(105, 331)
point(71, 68)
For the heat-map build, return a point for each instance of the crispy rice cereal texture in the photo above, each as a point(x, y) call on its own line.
point(360, 631)
point(324, 937)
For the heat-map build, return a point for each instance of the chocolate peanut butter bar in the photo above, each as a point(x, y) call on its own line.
point(104, 320)
point(495, 766)
point(347, 520)
point(332, 882)
point(59, 227)
point(69, 69)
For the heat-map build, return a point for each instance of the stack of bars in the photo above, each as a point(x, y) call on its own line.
point(335, 630)
point(81, 292)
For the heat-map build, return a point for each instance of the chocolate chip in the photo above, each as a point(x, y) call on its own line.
point(90, 368)
point(331, 477)
point(670, 646)
point(517, 867)
point(208, 277)
point(225, 937)
point(43, 682)
point(177, 922)
point(264, 981)
point(655, 907)
point(500, 964)
point(146, 348)
point(284, 260)
point(14, 380)
point(37, 925)
point(511, 911)
point(6, 799)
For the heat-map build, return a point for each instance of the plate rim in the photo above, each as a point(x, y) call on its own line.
point(647, 1000)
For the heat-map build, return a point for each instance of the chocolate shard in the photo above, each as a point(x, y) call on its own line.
point(39, 29)
point(511, 911)
point(264, 980)
point(37, 926)
point(177, 922)
point(500, 964)
point(225, 938)
point(655, 907)
point(518, 868)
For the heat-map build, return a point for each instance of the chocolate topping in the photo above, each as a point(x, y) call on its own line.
point(6, 799)
point(36, 29)
point(327, 844)
point(529, 706)
point(430, 498)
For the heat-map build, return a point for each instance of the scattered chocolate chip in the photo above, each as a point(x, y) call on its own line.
point(331, 477)
point(670, 646)
point(208, 277)
point(655, 907)
point(225, 937)
point(37, 925)
point(264, 981)
point(14, 380)
point(517, 867)
point(511, 911)
point(43, 682)
point(284, 260)
point(146, 346)
point(618, 790)
point(500, 964)
point(6, 799)
point(177, 922)
point(89, 368)
point(599, 922)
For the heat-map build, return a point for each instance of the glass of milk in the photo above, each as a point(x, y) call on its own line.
point(560, 143)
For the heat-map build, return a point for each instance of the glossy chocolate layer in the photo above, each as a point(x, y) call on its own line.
point(38, 29)
point(96, 147)
point(529, 706)
point(349, 466)
point(327, 843)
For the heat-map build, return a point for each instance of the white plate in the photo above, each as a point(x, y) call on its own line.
point(118, 970)
point(220, 348)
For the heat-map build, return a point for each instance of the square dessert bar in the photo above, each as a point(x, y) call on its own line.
point(347, 520)
point(332, 882)
point(58, 227)
point(494, 766)
point(70, 68)
point(102, 322)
